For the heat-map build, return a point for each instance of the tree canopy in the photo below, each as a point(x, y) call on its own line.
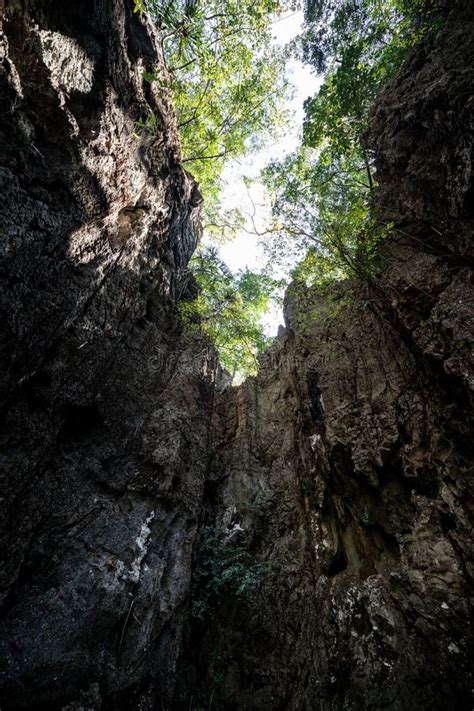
point(323, 194)
point(227, 78)
point(229, 309)
point(228, 84)
point(229, 87)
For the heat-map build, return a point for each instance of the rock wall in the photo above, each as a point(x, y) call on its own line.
point(335, 483)
point(347, 462)
point(105, 404)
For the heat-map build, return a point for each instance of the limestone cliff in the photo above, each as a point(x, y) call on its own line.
point(105, 405)
point(339, 475)
point(347, 462)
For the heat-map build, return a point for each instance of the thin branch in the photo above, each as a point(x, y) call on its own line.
point(183, 66)
point(195, 158)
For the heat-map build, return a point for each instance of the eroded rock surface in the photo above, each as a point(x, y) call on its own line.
point(347, 462)
point(105, 405)
point(341, 471)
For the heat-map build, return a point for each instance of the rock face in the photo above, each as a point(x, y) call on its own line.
point(347, 461)
point(334, 485)
point(105, 405)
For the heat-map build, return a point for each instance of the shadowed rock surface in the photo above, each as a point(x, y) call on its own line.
point(105, 407)
point(335, 484)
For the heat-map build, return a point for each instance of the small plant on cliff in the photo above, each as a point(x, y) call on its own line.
point(225, 573)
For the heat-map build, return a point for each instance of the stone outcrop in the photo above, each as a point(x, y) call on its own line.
point(335, 484)
point(347, 462)
point(105, 404)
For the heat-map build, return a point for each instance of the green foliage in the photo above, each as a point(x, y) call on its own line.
point(323, 216)
point(229, 309)
point(228, 86)
point(323, 194)
point(359, 45)
point(228, 82)
point(225, 573)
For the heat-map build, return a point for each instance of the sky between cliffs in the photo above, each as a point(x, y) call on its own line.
point(246, 249)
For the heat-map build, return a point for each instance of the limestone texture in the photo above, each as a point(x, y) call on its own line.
point(334, 487)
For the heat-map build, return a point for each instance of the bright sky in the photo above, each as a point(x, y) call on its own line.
point(245, 250)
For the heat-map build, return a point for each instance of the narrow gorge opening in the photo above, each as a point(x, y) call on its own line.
point(303, 540)
point(272, 103)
